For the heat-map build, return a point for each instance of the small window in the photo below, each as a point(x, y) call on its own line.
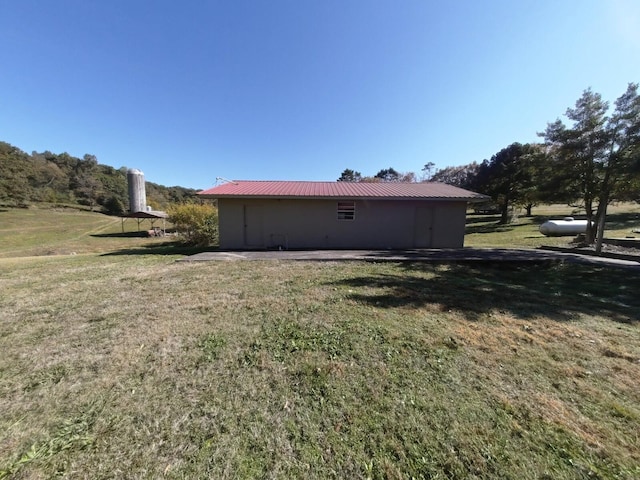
point(346, 210)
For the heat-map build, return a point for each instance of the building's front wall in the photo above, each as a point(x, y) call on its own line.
point(267, 223)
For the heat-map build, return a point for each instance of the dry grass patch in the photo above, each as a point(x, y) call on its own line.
point(137, 366)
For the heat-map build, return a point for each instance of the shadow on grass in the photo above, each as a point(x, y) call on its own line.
point(477, 218)
point(121, 235)
point(554, 290)
point(619, 221)
point(167, 248)
point(488, 227)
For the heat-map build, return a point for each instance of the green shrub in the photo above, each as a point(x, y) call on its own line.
point(196, 223)
point(113, 206)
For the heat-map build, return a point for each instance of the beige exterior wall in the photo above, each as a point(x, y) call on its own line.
point(266, 223)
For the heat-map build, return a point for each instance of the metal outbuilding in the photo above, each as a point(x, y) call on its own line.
point(330, 215)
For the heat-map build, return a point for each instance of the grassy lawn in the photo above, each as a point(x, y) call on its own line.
point(138, 366)
point(484, 230)
point(39, 231)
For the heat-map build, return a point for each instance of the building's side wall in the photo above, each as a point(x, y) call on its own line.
point(448, 224)
point(230, 223)
point(248, 223)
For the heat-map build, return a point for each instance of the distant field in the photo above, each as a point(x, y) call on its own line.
point(41, 231)
point(128, 364)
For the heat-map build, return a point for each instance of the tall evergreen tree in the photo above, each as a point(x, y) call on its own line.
point(509, 177)
point(349, 175)
point(595, 153)
point(388, 175)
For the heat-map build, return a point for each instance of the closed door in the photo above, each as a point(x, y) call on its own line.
point(423, 227)
point(253, 226)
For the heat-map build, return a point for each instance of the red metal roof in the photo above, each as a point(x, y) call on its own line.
point(363, 190)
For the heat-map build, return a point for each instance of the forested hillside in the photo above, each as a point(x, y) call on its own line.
point(64, 179)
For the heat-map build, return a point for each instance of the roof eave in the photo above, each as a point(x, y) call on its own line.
point(343, 197)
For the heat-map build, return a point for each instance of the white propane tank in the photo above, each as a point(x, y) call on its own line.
point(566, 226)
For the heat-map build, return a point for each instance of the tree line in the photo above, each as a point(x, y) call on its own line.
point(65, 179)
point(385, 175)
point(589, 162)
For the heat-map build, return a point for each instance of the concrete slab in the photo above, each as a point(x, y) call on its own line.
point(426, 255)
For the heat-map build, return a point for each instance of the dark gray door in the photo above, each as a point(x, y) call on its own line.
point(423, 227)
point(253, 226)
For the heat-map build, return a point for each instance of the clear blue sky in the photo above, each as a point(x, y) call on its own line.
point(191, 90)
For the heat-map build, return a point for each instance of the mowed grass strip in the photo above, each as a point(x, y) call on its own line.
point(138, 366)
point(46, 230)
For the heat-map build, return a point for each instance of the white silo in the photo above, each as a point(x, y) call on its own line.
point(137, 192)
